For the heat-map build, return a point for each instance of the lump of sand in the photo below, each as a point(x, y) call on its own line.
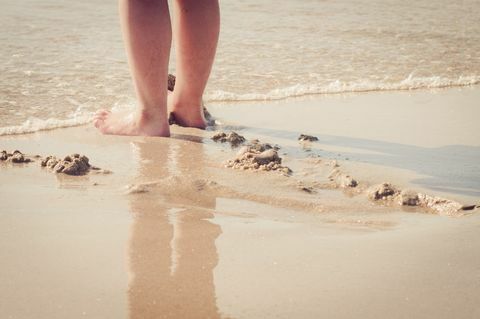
point(436, 204)
point(74, 164)
point(305, 137)
point(171, 82)
point(346, 181)
point(260, 147)
point(439, 205)
point(251, 158)
point(233, 138)
point(342, 180)
point(382, 191)
point(16, 157)
point(409, 198)
point(267, 157)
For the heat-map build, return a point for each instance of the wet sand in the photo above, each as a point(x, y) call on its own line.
point(174, 233)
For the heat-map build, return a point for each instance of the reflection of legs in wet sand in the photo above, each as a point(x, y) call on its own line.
point(172, 260)
point(172, 251)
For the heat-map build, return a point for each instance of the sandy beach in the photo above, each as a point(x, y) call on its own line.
point(171, 232)
point(341, 178)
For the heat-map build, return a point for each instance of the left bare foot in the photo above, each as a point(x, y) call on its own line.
point(131, 124)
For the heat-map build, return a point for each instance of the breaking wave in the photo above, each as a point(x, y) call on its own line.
point(410, 83)
point(35, 125)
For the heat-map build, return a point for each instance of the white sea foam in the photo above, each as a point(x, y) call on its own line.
point(34, 125)
point(410, 83)
point(81, 116)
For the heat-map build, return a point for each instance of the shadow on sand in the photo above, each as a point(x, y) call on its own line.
point(452, 168)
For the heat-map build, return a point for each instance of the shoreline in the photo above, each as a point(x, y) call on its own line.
point(39, 125)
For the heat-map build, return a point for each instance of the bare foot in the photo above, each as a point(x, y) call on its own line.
point(131, 124)
point(186, 114)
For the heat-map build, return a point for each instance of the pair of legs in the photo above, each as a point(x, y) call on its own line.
point(147, 33)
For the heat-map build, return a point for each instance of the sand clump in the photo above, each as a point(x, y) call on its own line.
point(341, 179)
point(171, 82)
point(253, 156)
point(309, 138)
point(408, 198)
point(74, 164)
point(384, 191)
point(256, 145)
point(346, 181)
point(388, 193)
point(233, 138)
point(438, 204)
point(16, 157)
point(258, 156)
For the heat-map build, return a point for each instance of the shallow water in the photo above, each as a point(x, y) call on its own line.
point(61, 60)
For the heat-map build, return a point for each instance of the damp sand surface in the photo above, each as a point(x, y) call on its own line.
point(173, 232)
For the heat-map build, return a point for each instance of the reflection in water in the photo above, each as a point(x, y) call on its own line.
point(172, 250)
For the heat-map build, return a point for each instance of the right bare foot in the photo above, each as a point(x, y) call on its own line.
point(186, 114)
point(131, 124)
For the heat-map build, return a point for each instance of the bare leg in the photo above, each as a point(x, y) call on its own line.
point(196, 29)
point(147, 34)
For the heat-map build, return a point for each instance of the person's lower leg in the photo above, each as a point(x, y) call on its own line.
point(147, 35)
point(196, 30)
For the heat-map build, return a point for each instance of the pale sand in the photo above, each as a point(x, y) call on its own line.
point(173, 233)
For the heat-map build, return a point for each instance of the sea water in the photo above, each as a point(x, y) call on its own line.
point(62, 60)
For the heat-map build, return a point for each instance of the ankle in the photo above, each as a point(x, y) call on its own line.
point(186, 102)
point(149, 115)
point(157, 118)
